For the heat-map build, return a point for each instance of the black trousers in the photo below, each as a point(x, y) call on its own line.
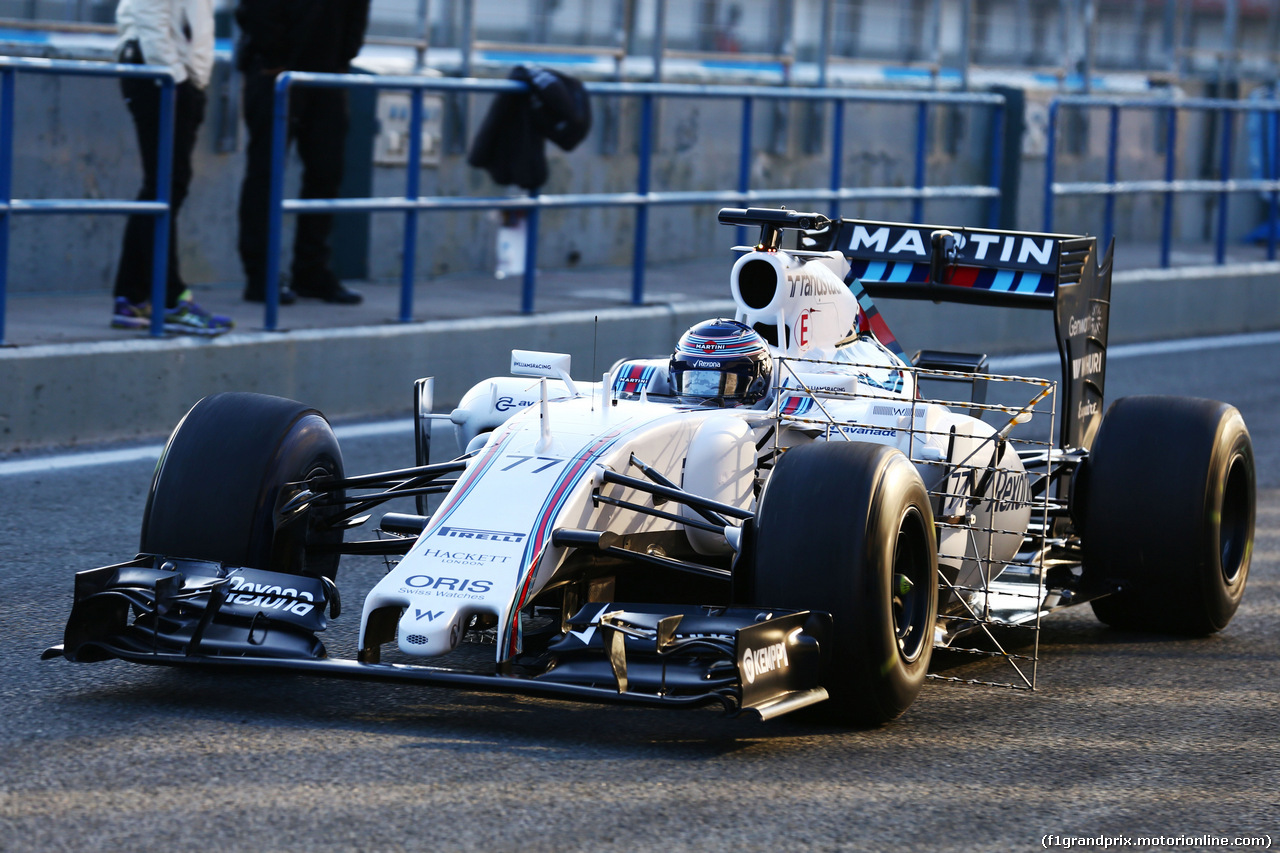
point(133, 276)
point(318, 124)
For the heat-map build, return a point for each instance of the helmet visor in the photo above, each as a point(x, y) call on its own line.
point(706, 384)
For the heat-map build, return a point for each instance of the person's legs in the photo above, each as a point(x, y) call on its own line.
point(320, 129)
point(255, 189)
point(133, 275)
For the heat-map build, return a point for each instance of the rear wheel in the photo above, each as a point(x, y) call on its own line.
point(216, 487)
point(847, 528)
point(1168, 514)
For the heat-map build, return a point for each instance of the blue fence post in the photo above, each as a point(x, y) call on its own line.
point(1273, 203)
point(164, 187)
point(1109, 209)
point(998, 119)
point(837, 155)
point(744, 157)
point(1051, 152)
point(275, 210)
point(1170, 172)
point(412, 184)
point(6, 184)
point(1228, 123)
point(529, 282)
point(642, 209)
point(922, 138)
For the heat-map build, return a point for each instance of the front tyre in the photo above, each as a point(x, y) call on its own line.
point(847, 528)
point(1168, 514)
point(217, 484)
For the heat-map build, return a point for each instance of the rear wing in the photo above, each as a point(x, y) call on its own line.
point(1016, 269)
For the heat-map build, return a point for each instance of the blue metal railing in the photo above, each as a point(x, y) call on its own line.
point(10, 67)
point(1170, 187)
point(642, 198)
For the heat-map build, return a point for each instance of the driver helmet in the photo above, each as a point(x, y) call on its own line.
point(722, 362)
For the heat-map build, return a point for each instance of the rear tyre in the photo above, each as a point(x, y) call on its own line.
point(1168, 515)
point(847, 528)
point(216, 487)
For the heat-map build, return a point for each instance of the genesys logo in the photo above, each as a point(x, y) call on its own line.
point(506, 404)
point(480, 535)
point(757, 662)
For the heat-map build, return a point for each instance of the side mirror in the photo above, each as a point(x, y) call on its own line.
point(942, 261)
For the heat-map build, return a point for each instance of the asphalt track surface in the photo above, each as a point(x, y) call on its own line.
point(1128, 735)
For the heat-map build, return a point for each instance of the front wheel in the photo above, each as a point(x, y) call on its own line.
point(847, 528)
point(217, 485)
point(1168, 514)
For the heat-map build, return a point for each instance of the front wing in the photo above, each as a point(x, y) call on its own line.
point(192, 613)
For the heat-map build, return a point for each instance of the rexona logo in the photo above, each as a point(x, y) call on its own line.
point(761, 661)
point(485, 535)
point(270, 597)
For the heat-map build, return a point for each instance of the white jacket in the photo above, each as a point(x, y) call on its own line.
point(159, 26)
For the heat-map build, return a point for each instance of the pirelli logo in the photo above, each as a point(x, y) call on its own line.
point(476, 534)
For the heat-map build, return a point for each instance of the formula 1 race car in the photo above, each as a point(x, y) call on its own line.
point(785, 513)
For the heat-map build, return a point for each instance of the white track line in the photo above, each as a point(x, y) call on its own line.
point(1000, 364)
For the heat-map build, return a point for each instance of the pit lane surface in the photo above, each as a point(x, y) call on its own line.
point(1128, 735)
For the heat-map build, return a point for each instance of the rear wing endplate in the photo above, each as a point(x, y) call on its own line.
point(1015, 269)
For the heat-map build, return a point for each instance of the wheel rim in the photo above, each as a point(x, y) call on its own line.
point(912, 583)
point(1233, 523)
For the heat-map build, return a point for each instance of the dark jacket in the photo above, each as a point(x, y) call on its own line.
point(511, 142)
point(300, 35)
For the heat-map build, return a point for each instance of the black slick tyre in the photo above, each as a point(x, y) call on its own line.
point(217, 484)
point(1168, 514)
point(846, 528)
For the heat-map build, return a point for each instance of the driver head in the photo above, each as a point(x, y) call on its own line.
point(721, 362)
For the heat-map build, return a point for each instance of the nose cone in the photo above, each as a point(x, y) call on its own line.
point(430, 630)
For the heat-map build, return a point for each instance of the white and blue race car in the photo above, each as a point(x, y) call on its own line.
point(784, 513)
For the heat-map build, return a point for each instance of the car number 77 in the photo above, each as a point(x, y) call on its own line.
point(550, 461)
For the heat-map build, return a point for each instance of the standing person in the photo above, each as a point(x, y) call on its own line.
point(177, 34)
point(297, 35)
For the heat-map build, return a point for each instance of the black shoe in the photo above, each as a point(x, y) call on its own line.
point(287, 296)
point(326, 286)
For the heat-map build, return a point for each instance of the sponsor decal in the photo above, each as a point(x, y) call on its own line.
point(894, 411)
point(464, 558)
point(802, 329)
point(1028, 249)
point(429, 615)
point(807, 284)
point(270, 596)
point(441, 587)
point(757, 662)
point(1086, 409)
point(1009, 491)
point(862, 430)
point(1086, 365)
point(1092, 325)
point(894, 242)
point(532, 365)
point(710, 346)
point(506, 404)
point(711, 364)
point(483, 535)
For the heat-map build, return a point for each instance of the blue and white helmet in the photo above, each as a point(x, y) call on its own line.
point(721, 361)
